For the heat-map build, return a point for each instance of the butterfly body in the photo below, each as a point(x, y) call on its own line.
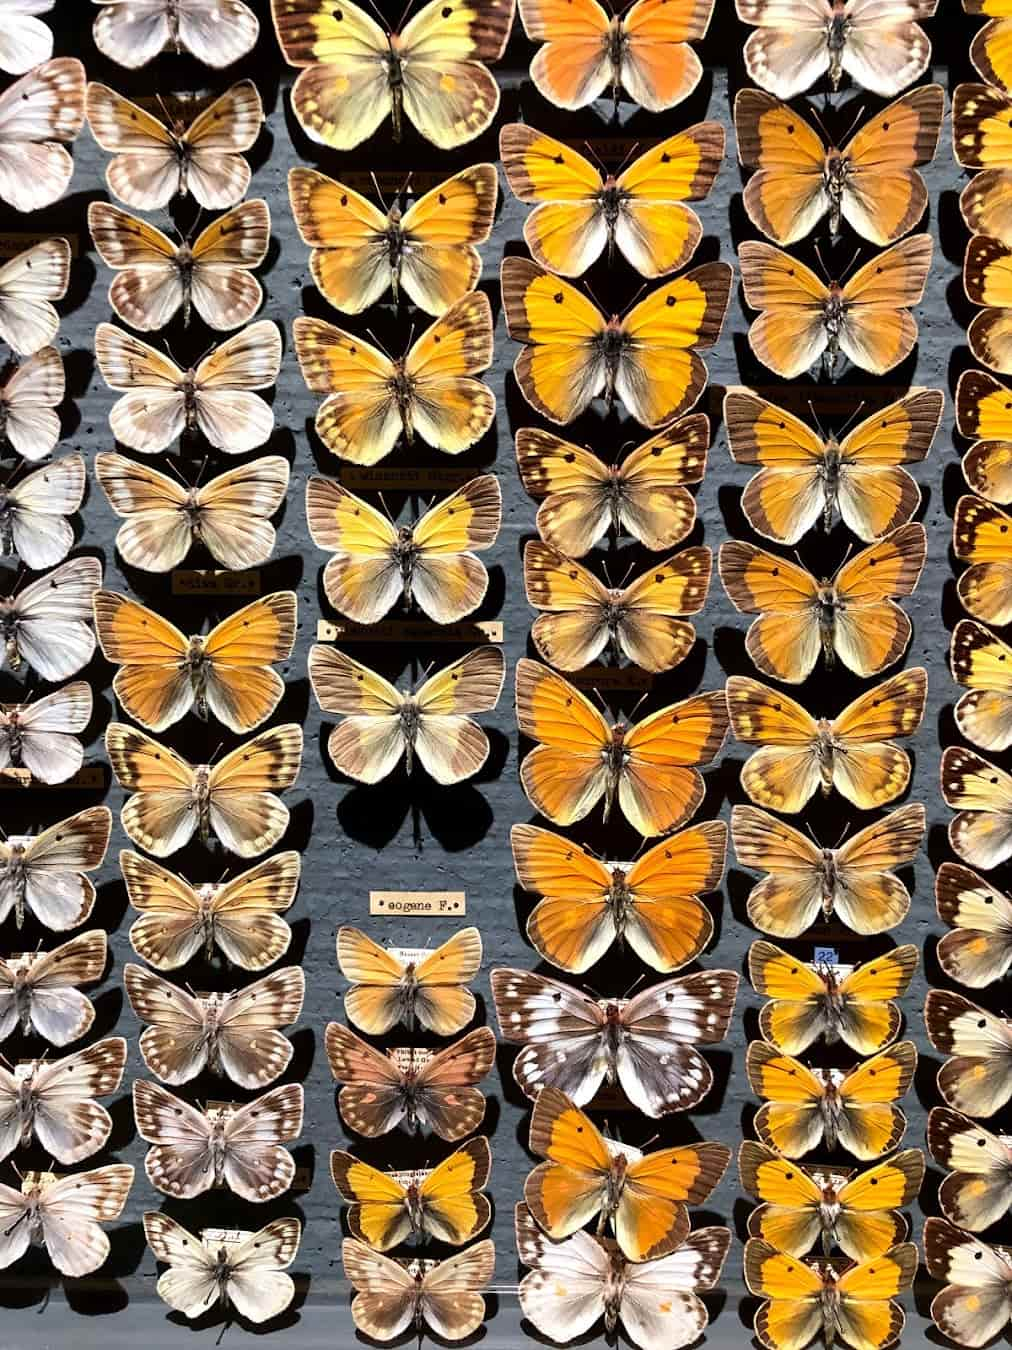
point(15, 877)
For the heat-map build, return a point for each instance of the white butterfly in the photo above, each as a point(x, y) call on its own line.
point(133, 32)
point(228, 515)
point(63, 1215)
point(162, 400)
point(28, 285)
point(40, 110)
point(45, 873)
point(52, 1099)
point(575, 1282)
point(153, 162)
point(249, 1274)
point(234, 1034)
point(241, 916)
point(234, 798)
point(28, 400)
point(25, 41)
point(46, 624)
point(646, 1044)
point(391, 1296)
point(37, 989)
point(41, 736)
point(33, 513)
point(240, 1148)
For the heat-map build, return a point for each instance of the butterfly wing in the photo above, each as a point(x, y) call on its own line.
point(784, 773)
point(567, 1190)
point(869, 1017)
point(788, 194)
point(257, 1167)
point(154, 683)
point(870, 631)
point(577, 511)
point(450, 1301)
point(790, 899)
point(153, 410)
point(253, 1052)
point(573, 925)
point(217, 32)
point(654, 505)
point(563, 1295)
point(233, 510)
point(568, 230)
point(790, 1120)
point(885, 49)
point(651, 1221)
point(258, 1285)
point(869, 1123)
point(149, 285)
point(377, 1213)
point(37, 113)
point(170, 930)
point(875, 494)
point(978, 661)
point(245, 912)
point(39, 505)
point(655, 232)
point(373, 1099)
point(788, 51)
point(787, 496)
point(659, 1303)
point(359, 420)
point(67, 1122)
point(58, 1011)
point(71, 1210)
point(565, 775)
point(573, 68)
point(871, 771)
point(978, 952)
point(975, 1080)
point(145, 170)
point(226, 410)
point(369, 742)
point(224, 293)
point(386, 1299)
point(981, 833)
point(26, 40)
point(442, 1003)
point(453, 1208)
point(447, 581)
point(180, 1162)
point(665, 924)
point(867, 897)
point(29, 283)
point(175, 1045)
point(976, 1192)
point(450, 746)
point(660, 785)
point(245, 813)
point(789, 1217)
point(867, 1314)
point(884, 195)
point(979, 538)
point(444, 1097)
point(573, 628)
point(976, 1304)
point(190, 1285)
point(212, 148)
point(15, 1236)
point(28, 402)
point(799, 1012)
point(868, 1223)
point(790, 334)
point(240, 684)
point(651, 630)
point(786, 639)
point(562, 1032)
point(350, 258)
point(53, 865)
point(449, 407)
point(878, 331)
point(42, 736)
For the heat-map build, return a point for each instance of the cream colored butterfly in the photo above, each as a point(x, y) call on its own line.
point(133, 32)
point(63, 1215)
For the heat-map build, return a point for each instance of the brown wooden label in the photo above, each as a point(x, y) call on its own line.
point(409, 630)
point(88, 777)
point(426, 904)
point(392, 183)
point(13, 242)
point(614, 678)
point(214, 582)
point(405, 478)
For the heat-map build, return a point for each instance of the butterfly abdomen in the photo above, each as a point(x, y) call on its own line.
point(834, 176)
point(202, 800)
point(16, 881)
point(830, 1109)
point(829, 474)
point(825, 750)
point(836, 39)
point(828, 602)
point(832, 318)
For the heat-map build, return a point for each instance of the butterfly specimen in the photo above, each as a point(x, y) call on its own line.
point(807, 1107)
point(233, 798)
point(576, 1282)
point(34, 511)
point(989, 50)
point(25, 41)
point(241, 916)
point(45, 625)
point(987, 281)
point(976, 1078)
point(978, 951)
point(29, 397)
point(648, 767)
point(642, 1197)
point(978, 1189)
point(445, 1203)
point(248, 1275)
point(419, 1089)
point(646, 1044)
point(215, 32)
point(155, 278)
point(154, 162)
point(52, 1099)
point(44, 873)
point(42, 735)
point(978, 661)
point(390, 985)
point(878, 43)
point(812, 1001)
point(981, 834)
point(432, 391)
point(579, 212)
point(163, 518)
point(29, 283)
point(430, 563)
point(982, 140)
point(800, 755)
point(809, 1299)
point(38, 992)
point(228, 674)
point(806, 320)
point(644, 496)
point(356, 73)
point(391, 1296)
point(980, 538)
point(428, 251)
point(240, 1147)
point(63, 1215)
point(982, 415)
point(162, 401)
point(872, 183)
point(380, 724)
point(582, 618)
point(804, 477)
point(649, 904)
point(802, 1206)
point(648, 358)
point(976, 1303)
point(590, 51)
point(37, 113)
point(234, 1035)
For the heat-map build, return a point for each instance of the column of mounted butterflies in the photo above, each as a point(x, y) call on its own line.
point(843, 1097)
point(974, 1306)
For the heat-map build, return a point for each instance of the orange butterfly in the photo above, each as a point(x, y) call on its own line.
point(804, 477)
point(852, 752)
point(981, 834)
point(392, 985)
point(648, 357)
point(648, 767)
point(983, 408)
point(872, 183)
point(987, 281)
point(850, 616)
point(981, 537)
point(983, 663)
point(805, 319)
point(644, 50)
point(982, 139)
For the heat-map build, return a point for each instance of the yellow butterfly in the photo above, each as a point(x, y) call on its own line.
point(990, 49)
point(981, 537)
point(982, 416)
point(164, 674)
point(651, 904)
point(431, 563)
point(432, 391)
point(981, 834)
point(983, 663)
point(978, 951)
point(802, 1206)
point(977, 1077)
point(978, 1189)
point(806, 1107)
point(582, 618)
point(852, 752)
point(428, 250)
point(640, 211)
point(805, 1300)
point(445, 1203)
point(807, 1002)
point(392, 985)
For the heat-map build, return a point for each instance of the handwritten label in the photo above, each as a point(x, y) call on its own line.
point(38, 1181)
point(87, 778)
point(406, 478)
point(423, 903)
point(13, 242)
point(410, 1058)
point(414, 1177)
point(829, 1176)
point(408, 630)
point(825, 956)
point(410, 956)
point(195, 582)
point(611, 677)
point(223, 1237)
point(215, 1110)
point(619, 1150)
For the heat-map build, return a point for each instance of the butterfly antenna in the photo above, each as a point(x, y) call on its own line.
point(639, 702)
point(174, 468)
point(379, 14)
point(371, 333)
point(829, 139)
point(638, 981)
point(596, 158)
point(404, 14)
point(856, 412)
point(628, 573)
point(815, 418)
point(853, 123)
point(857, 254)
point(842, 837)
point(378, 191)
point(626, 158)
point(822, 263)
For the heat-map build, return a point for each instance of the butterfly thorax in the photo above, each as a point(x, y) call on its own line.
point(22, 992)
point(825, 753)
point(611, 200)
point(830, 1108)
point(615, 43)
point(611, 1196)
point(184, 154)
point(406, 553)
point(615, 756)
point(193, 511)
point(188, 389)
point(10, 624)
point(614, 1285)
point(16, 878)
point(408, 1092)
point(829, 474)
point(205, 916)
point(222, 1274)
point(212, 1005)
point(26, 1105)
point(197, 663)
point(611, 342)
point(837, 30)
point(397, 244)
point(184, 266)
point(614, 614)
point(619, 900)
point(202, 800)
point(830, 1299)
point(415, 1207)
point(835, 171)
point(402, 387)
point(611, 1038)
point(31, 1216)
point(833, 1003)
point(829, 1214)
point(6, 512)
point(832, 318)
point(829, 605)
point(216, 1148)
point(394, 62)
point(830, 880)
point(407, 994)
